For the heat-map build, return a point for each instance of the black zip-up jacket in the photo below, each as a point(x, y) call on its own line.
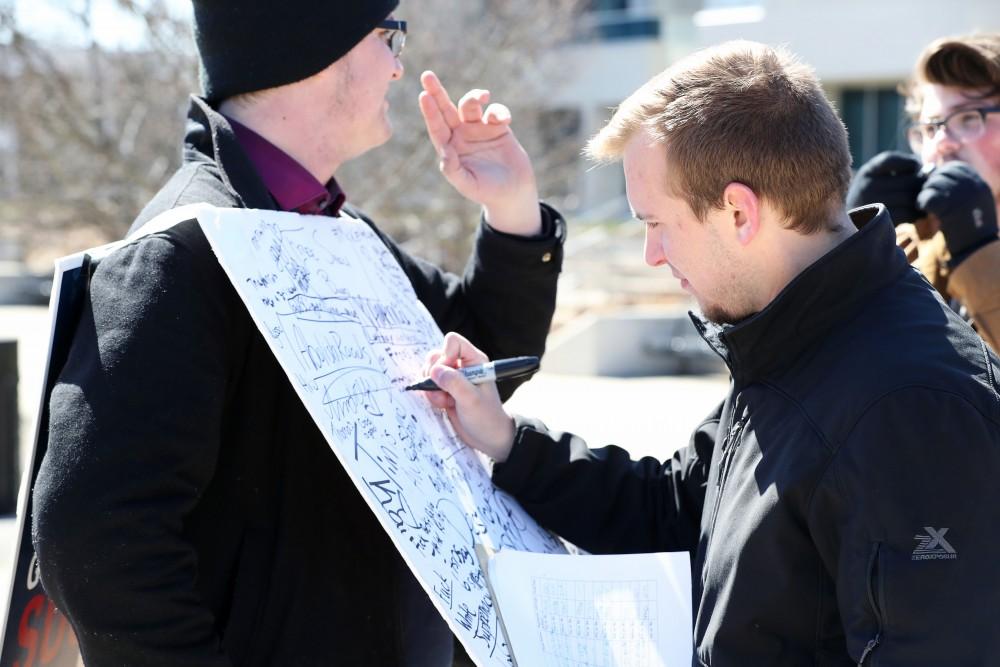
point(841, 505)
point(188, 511)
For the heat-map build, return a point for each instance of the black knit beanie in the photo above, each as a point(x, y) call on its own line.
point(249, 46)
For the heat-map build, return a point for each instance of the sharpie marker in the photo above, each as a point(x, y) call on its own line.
point(501, 369)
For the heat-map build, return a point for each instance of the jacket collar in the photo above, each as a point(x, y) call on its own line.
point(210, 136)
point(826, 294)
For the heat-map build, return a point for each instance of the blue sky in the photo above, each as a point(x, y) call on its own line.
point(52, 20)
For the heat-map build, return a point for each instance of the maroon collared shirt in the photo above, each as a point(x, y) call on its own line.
point(291, 185)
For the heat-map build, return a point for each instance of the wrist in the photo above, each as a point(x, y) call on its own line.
point(959, 257)
point(522, 217)
point(500, 448)
point(964, 235)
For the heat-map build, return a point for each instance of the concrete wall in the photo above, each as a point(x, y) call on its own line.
point(631, 343)
point(857, 40)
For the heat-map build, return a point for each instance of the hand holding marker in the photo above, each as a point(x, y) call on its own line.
point(501, 369)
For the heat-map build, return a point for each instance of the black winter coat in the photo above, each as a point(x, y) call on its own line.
point(841, 504)
point(188, 510)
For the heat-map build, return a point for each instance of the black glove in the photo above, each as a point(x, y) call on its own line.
point(963, 203)
point(889, 178)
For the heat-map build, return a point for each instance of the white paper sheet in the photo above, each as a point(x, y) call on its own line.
point(599, 611)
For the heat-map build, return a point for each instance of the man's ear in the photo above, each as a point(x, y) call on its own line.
point(743, 205)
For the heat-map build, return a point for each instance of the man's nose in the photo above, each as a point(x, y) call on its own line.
point(397, 72)
point(941, 146)
point(653, 249)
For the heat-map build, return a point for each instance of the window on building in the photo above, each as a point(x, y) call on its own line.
point(875, 122)
point(606, 5)
point(619, 19)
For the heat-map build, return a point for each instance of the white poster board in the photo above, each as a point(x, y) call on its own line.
point(346, 326)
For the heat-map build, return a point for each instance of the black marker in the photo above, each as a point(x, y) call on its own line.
point(500, 369)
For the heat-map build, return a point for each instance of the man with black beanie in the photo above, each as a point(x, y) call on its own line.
point(188, 511)
point(945, 199)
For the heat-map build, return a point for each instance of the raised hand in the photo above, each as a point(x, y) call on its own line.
point(480, 156)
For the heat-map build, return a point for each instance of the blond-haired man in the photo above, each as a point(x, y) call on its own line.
point(824, 523)
point(946, 197)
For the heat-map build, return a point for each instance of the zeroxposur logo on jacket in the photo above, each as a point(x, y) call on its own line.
point(933, 546)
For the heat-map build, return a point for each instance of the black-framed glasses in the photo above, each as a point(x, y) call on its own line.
point(963, 125)
point(394, 35)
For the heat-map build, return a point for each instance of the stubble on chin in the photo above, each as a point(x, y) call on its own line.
point(732, 313)
point(740, 301)
point(722, 315)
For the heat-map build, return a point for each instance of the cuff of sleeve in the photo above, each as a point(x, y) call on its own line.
point(975, 282)
point(512, 474)
point(543, 252)
point(958, 258)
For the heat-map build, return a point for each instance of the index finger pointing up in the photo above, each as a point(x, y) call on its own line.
point(440, 97)
point(437, 128)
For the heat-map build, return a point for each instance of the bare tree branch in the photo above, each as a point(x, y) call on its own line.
point(98, 131)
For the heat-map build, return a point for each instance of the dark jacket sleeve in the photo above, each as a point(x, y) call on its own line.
point(134, 436)
point(905, 520)
point(603, 501)
point(505, 300)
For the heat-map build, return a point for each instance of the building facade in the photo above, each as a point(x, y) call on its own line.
point(861, 51)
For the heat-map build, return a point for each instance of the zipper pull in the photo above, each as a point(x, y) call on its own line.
point(735, 426)
point(722, 463)
point(729, 446)
point(868, 649)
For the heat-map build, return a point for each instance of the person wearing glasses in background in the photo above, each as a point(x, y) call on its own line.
point(945, 199)
point(188, 510)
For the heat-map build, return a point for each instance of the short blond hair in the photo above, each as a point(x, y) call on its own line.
point(741, 112)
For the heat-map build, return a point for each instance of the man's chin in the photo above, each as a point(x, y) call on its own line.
point(721, 315)
point(383, 138)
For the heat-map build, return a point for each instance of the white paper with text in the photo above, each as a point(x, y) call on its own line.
point(629, 610)
point(346, 326)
